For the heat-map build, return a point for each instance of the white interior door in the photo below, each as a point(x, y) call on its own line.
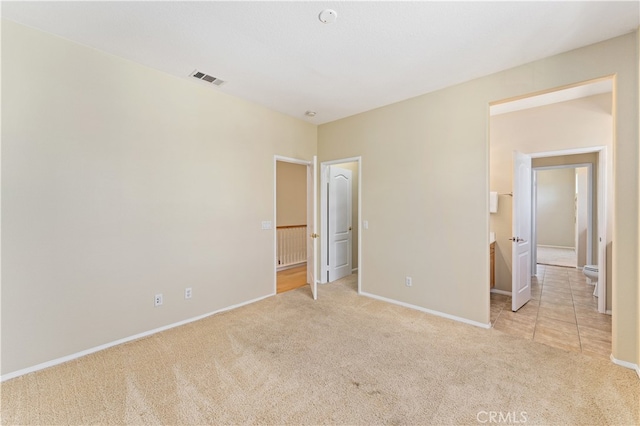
point(339, 223)
point(312, 229)
point(521, 235)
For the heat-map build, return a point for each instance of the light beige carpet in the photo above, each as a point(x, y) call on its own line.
point(343, 359)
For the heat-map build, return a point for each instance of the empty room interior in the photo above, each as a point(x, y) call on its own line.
point(320, 213)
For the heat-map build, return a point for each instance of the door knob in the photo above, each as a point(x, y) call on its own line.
point(350, 228)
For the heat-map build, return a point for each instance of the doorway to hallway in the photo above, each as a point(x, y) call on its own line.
point(295, 236)
point(563, 211)
point(577, 126)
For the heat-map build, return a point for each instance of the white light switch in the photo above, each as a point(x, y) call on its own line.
point(266, 224)
point(365, 224)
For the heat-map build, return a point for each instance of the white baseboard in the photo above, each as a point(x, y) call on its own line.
point(354, 270)
point(559, 247)
point(625, 364)
point(428, 311)
point(80, 354)
point(608, 312)
point(293, 265)
point(496, 291)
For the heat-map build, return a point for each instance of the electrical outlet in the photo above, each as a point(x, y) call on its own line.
point(187, 293)
point(408, 281)
point(157, 301)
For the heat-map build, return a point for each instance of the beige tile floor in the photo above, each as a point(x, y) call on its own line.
point(562, 313)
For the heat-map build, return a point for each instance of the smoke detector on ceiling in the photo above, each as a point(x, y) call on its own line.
point(328, 16)
point(310, 113)
point(207, 78)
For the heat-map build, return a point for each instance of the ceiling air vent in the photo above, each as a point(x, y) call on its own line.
point(208, 78)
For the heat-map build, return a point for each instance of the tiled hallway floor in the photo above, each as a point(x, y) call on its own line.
point(562, 313)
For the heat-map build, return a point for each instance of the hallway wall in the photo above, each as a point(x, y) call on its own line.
point(291, 194)
point(556, 207)
point(120, 182)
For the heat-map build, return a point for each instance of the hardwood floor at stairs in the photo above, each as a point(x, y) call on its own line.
point(290, 279)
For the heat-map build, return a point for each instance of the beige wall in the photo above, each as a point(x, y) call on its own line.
point(425, 185)
point(354, 211)
point(291, 194)
point(120, 182)
point(556, 207)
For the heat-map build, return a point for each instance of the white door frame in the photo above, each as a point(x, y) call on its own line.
point(534, 223)
point(308, 164)
point(324, 167)
point(603, 204)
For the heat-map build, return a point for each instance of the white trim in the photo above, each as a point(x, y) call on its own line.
point(534, 222)
point(312, 215)
point(625, 364)
point(562, 166)
point(354, 270)
point(428, 311)
point(292, 160)
point(322, 278)
point(496, 291)
point(560, 247)
point(359, 224)
point(342, 160)
point(608, 312)
point(80, 354)
point(293, 265)
point(604, 173)
point(562, 152)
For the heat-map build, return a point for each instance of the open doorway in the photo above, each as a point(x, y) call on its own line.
point(295, 212)
point(562, 216)
point(555, 132)
point(291, 226)
point(592, 173)
point(340, 220)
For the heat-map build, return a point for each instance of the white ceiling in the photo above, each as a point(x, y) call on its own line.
point(280, 55)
